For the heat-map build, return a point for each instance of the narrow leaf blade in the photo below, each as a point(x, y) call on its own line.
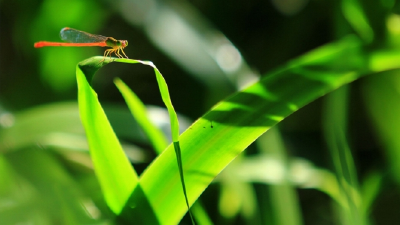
point(113, 169)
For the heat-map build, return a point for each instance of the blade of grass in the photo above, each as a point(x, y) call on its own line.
point(202, 217)
point(91, 65)
point(138, 111)
point(162, 85)
point(242, 118)
point(113, 169)
point(156, 137)
point(355, 15)
point(370, 189)
point(385, 114)
point(335, 126)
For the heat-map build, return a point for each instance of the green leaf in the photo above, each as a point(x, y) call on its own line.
point(138, 111)
point(335, 127)
point(382, 97)
point(354, 14)
point(173, 120)
point(162, 85)
point(241, 119)
point(104, 144)
point(114, 171)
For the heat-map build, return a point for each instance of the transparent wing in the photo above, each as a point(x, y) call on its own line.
point(76, 36)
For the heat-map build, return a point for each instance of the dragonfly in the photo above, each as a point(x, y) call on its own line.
point(77, 38)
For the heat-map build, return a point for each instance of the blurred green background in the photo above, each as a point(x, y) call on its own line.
point(206, 51)
point(182, 38)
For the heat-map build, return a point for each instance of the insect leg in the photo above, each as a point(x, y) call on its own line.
point(124, 53)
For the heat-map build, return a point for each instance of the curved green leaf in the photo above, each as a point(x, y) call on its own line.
point(138, 111)
point(354, 14)
point(242, 118)
point(174, 124)
point(113, 169)
point(158, 140)
point(118, 183)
